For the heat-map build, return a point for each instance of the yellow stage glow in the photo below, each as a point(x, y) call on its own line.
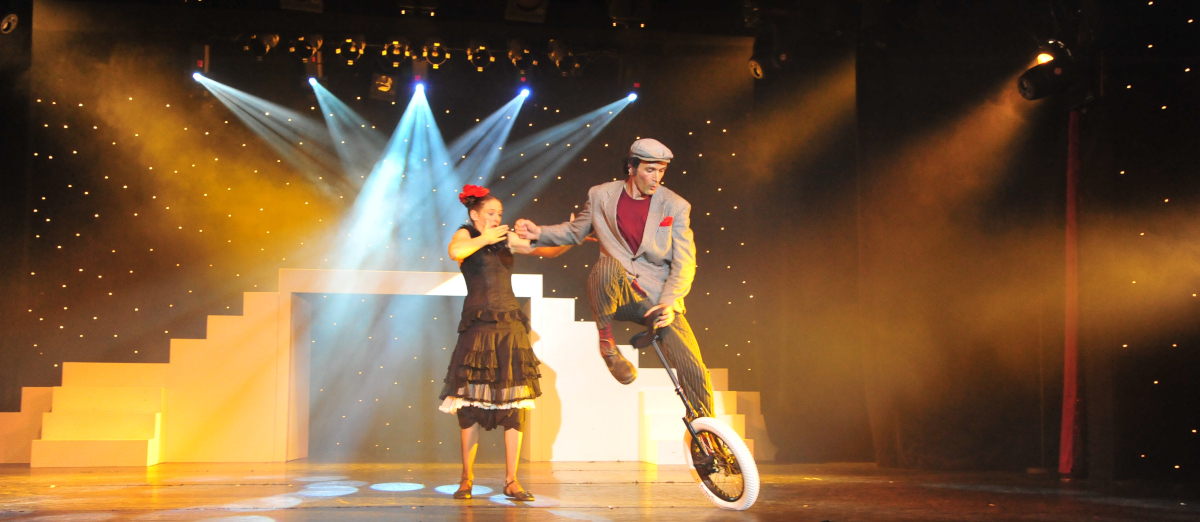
point(1044, 57)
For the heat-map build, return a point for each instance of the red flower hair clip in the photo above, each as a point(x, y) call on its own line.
point(472, 190)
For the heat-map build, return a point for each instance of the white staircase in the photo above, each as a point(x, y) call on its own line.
point(241, 394)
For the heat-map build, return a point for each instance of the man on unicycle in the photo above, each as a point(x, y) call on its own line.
point(646, 266)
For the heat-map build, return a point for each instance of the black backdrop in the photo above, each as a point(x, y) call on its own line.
point(898, 211)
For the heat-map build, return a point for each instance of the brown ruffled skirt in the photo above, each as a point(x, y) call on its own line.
point(492, 375)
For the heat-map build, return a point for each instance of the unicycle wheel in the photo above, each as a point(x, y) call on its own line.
point(729, 476)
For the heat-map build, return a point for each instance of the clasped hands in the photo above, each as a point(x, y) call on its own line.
point(527, 229)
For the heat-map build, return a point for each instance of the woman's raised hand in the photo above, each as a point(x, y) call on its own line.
point(495, 234)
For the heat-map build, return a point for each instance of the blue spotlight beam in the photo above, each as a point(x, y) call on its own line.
point(529, 164)
point(358, 145)
point(368, 232)
point(478, 150)
point(298, 139)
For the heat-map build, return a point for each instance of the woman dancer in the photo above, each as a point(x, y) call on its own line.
point(493, 374)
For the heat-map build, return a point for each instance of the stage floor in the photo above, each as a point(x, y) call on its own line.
point(301, 491)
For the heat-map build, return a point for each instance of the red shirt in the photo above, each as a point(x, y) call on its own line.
point(631, 219)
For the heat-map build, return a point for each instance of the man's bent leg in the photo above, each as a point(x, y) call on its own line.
point(610, 293)
point(683, 353)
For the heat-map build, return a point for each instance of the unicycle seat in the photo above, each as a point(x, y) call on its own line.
point(644, 339)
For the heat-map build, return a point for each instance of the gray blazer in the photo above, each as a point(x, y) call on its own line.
point(664, 264)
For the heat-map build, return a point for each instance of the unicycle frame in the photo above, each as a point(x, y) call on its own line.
point(712, 448)
point(692, 411)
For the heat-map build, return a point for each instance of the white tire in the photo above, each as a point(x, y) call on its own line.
point(745, 461)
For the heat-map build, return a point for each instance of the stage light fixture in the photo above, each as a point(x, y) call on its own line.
point(196, 76)
point(312, 81)
point(1050, 76)
point(201, 57)
point(434, 53)
point(478, 55)
point(756, 69)
point(525, 93)
point(383, 87)
point(395, 52)
point(309, 48)
point(261, 44)
point(308, 45)
point(420, 87)
point(562, 57)
point(351, 49)
point(632, 96)
point(518, 54)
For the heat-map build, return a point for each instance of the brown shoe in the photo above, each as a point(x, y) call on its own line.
point(464, 490)
point(620, 368)
point(517, 492)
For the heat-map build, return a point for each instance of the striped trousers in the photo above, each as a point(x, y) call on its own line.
point(614, 297)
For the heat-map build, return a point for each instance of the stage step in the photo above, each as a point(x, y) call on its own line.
point(18, 429)
point(101, 426)
point(94, 453)
point(104, 425)
point(126, 399)
point(107, 374)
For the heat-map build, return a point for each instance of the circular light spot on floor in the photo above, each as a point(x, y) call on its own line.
point(476, 490)
point(320, 478)
point(265, 503)
point(330, 491)
point(398, 486)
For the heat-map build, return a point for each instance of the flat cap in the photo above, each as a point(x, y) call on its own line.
point(649, 149)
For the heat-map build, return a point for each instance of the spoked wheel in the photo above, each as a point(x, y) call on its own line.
point(722, 464)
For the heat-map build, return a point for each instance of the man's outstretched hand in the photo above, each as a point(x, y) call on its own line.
point(526, 229)
point(664, 320)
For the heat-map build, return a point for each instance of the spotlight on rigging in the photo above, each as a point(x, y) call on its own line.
point(383, 87)
point(309, 49)
point(420, 87)
point(351, 49)
point(1050, 76)
point(525, 93)
point(312, 81)
point(562, 57)
point(478, 55)
point(196, 76)
point(632, 96)
point(308, 46)
point(395, 52)
point(434, 52)
point(261, 44)
point(518, 54)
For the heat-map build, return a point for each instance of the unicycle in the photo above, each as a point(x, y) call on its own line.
point(723, 466)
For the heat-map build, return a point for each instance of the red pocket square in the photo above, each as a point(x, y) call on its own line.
point(667, 221)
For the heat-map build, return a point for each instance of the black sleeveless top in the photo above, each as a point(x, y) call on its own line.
point(488, 273)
